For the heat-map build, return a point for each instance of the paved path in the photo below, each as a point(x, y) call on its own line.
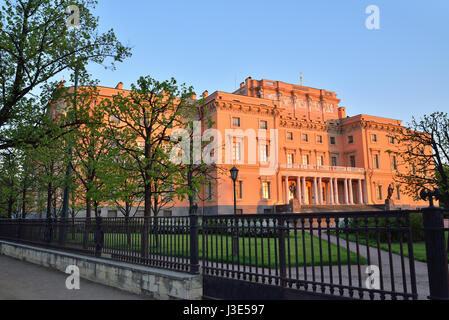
point(391, 263)
point(21, 280)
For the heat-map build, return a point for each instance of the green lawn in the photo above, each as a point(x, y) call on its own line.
point(419, 248)
point(251, 251)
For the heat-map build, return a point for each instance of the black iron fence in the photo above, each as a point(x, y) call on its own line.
point(355, 255)
point(163, 242)
point(363, 255)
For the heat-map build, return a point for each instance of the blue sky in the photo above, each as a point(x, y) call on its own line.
point(399, 71)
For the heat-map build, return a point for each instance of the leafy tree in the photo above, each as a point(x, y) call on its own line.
point(35, 46)
point(424, 155)
point(196, 171)
point(140, 124)
point(9, 182)
point(92, 150)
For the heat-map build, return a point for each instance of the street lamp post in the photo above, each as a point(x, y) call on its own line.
point(66, 199)
point(234, 175)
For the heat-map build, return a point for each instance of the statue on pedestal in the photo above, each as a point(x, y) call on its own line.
point(389, 203)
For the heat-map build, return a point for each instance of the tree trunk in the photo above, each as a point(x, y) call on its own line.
point(24, 194)
point(146, 222)
point(10, 204)
point(49, 188)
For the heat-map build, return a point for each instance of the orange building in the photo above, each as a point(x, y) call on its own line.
point(322, 157)
point(306, 153)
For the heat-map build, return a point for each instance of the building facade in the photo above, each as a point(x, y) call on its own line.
point(293, 145)
point(322, 157)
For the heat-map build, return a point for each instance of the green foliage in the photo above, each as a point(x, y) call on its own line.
point(36, 46)
point(140, 125)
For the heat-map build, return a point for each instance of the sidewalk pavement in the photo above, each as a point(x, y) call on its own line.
point(21, 280)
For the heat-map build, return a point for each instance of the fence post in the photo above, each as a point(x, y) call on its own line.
point(98, 237)
point(194, 259)
point(282, 262)
point(437, 264)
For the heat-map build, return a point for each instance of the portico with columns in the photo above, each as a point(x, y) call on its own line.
point(321, 189)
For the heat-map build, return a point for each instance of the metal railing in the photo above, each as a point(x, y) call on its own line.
point(163, 242)
point(321, 253)
point(309, 167)
point(363, 255)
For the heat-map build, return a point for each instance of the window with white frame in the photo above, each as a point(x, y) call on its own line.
point(235, 122)
point(305, 159)
point(290, 159)
point(237, 151)
point(305, 137)
point(263, 153)
point(266, 190)
point(376, 162)
point(334, 161)
point(379, 192)
point(263, 125)
point(352, 162)
point(320, 160)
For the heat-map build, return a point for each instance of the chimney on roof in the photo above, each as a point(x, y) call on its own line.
point(205, 94)
point(119, 86)
point(242, 84)
point(341, 112)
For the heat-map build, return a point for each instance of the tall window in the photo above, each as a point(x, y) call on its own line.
point(305, 137)
point(263, 153)
point(394, 163)
point(333, 141)
point(263, 125)
point(350, 139)
point(290, 159)
point(319, 139)
point(352, 161)
point(334, 161)
point(236, 122)
point(320, 160)
point(305, 159)
point(266, 190)
point(379, 193)
point(374, 137)
point(237, 152)
point(391, 140)
point(239, 189)
point(209, 191)
point(376, 161)
point(289, 135)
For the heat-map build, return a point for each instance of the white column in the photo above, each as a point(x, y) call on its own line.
point(331, 193)
point(337, 201)
point(298, 189)
point(320, 190)
point(360, 192)
point(346, 192)
point(315, 193)
point(304, 193)
point(287, 191)
point(365, 198)
point(351, 195)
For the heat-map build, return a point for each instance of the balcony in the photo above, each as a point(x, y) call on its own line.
point(309, 167)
